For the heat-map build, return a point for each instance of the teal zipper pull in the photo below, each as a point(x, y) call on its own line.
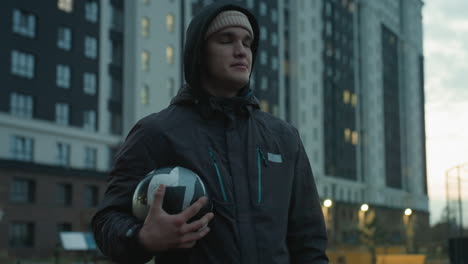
point(265, 160)
point(260, 157)
point(220, 179)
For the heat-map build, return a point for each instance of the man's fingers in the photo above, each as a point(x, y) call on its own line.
point(188, 245)
point(194, 208)
point(158, 198)
point(193, 236)
point(197, 225)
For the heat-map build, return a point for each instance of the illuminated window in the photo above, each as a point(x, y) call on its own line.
point(145, 60)
point(347, 134)
point(353, 99)
point(170, 22)
point(145, 27)
point(264, 106)
point(169, 54)
point(346, 96)
point(276, 110)
point(65, 5)
point(145, 95)
point(355, 137)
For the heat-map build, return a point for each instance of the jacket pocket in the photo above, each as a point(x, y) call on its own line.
point(218, 174)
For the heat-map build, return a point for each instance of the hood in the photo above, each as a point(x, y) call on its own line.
point(195, 41)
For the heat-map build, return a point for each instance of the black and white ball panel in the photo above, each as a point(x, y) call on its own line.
point(183, 188)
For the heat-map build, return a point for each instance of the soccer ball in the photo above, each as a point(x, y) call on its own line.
point(183, 188)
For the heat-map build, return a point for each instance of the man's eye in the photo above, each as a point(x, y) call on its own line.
point(224, 40)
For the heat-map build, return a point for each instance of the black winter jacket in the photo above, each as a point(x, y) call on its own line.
point(253, 164)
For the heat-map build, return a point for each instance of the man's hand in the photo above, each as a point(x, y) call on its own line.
point(162, 231)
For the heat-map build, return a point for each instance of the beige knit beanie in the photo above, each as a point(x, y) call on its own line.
point(228, 19)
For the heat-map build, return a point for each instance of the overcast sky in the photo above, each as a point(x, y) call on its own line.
point(445, 25)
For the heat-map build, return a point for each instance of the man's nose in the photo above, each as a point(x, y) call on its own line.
point(240, 50)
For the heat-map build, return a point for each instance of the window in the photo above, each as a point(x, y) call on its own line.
point(91, 196)
point(346, 97)
point(62, 76)
point(145, 27)
point(274, 39)
point(22, 148)
point(145, 60)
point(22, 64)
point(90, 158)
point(347, 134)
point(89, 83)
point(91, 11)
point(263, 57)
point(145, 95)
point(171, 87)
point(354, 138)
point(21, 105)
point(274, 63)
point(64, 194)
point(21, 235)
point(62, 114)
point(63, 154)
point(23, 191)
point(264, 83)
point(250, 4)
point(65, 5)
point(90, 47)
point(24, 23)
point(89, 120)
point(170, 22)
point(263, 9)
point(64, 38)
point(354, 99)
point(274, 15)
point(264, 106)
point(263, 33)
point(169, 54)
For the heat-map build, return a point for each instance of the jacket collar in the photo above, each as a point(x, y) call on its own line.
point(210, 105)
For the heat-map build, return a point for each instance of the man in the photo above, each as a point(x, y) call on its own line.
point(265, 203)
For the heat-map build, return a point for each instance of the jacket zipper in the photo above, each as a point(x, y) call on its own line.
point(260, 158)
point(220, 179)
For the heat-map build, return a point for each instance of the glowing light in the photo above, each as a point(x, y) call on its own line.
point(327, 203)
point(408, 211)
point(364, 207)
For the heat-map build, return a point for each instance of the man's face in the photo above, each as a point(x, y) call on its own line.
point(229, 57)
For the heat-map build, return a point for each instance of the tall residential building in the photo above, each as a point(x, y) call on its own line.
point(356, 93)
point(55, 132)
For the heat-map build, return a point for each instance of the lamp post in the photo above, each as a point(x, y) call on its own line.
point(327, 214)
point(408, 220)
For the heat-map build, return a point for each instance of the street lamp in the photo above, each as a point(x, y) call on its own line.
point(328, 217)
point(408, 211)
point(408, 222)
point(364, 207)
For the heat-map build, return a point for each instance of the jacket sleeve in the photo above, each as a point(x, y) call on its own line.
point(114, 222)
point(307, 238)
